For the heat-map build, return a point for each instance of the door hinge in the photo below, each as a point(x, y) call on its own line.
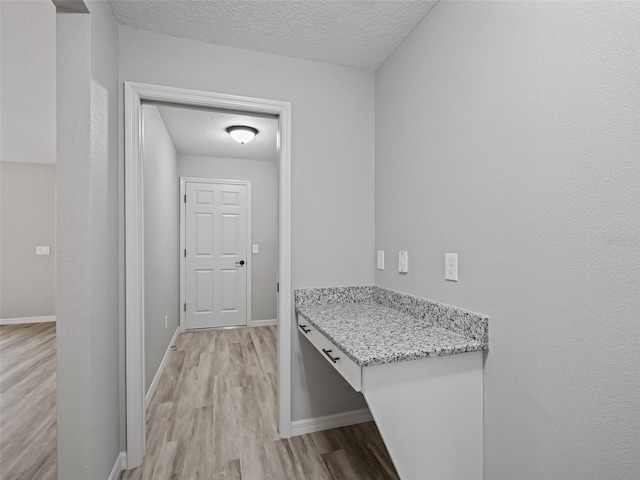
point(185, 307)
point(278, 287)
point(185, 253)
point(185, 198)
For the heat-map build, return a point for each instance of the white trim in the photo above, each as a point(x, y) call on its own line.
point(183, 243)
point(263, 323)
point(156, 378)
point(337, 420)
point(118, 467)
point(134, 94)
point(19, 320)
point(134, 278)
point(285, 292)
point(123, 460)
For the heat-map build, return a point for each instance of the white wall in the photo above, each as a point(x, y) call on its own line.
point(332, 169)
point(88, 302)
point(73, 263)
point(27, 220)
point(28, 82)
point(508, 132)
point(263, 176)
point(27, 134)
point(105, 273)
point(161, 240)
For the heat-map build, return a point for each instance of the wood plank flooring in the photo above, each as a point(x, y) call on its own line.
point(28, 401)
point(214, 416)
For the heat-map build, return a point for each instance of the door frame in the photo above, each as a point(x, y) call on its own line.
point(183, 243)
point(134, 94)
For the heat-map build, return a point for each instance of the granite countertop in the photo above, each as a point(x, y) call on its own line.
point(371, 332)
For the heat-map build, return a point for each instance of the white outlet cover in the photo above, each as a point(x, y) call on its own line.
point(403, 262)
point(380, 263)
point(451, 267)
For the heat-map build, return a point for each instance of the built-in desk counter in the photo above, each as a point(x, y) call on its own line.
point(418, 364)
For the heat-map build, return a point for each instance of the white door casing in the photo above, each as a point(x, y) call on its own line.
point(217, 236)
point(134, 94)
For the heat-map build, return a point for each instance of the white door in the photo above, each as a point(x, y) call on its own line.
point(216, 255)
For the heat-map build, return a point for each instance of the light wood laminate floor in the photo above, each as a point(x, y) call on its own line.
point(28, 402)
point(214, 416)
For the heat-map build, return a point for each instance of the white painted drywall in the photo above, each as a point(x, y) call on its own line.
point(332, 169)
point(73, 237)
point(88, 330)
point(509, 133)
point(263, 176)
point(28, 82)
point(105, 274)
point(27, 220)
point(161, 240)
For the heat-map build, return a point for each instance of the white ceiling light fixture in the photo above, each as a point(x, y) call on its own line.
point(242, 133)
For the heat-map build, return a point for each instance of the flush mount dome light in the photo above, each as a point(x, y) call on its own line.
point(242, 133)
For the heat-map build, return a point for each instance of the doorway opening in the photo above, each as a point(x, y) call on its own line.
point(135, 95)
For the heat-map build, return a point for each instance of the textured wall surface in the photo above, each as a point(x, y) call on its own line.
point(508, 132)
point(88, 343)
point(73, 237)
point(264, 219)
point(161, 240)
point(28, 219)
point(105, 274)
point(332, 170)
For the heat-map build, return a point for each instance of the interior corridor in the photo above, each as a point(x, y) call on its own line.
point(214, 416)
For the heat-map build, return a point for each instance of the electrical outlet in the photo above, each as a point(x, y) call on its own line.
point(380, 259)
point(403, 262)
point(451, 266)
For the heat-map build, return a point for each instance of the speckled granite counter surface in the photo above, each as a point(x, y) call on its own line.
point(373, 325)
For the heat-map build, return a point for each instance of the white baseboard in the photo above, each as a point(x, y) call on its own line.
point(20, 320)
point(156, 378)
point(318, 424)
point(264, 323)
point(118, 467)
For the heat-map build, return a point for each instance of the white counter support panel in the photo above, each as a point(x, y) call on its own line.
point(429, 413)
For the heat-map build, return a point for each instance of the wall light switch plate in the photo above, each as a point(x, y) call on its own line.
point(403, 262)
point(255, 248)
point(380, 260)
point(451, 266)
point(43, 250)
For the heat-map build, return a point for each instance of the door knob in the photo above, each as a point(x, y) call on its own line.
point(240, 263)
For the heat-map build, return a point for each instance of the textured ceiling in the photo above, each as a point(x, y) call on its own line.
point(203, 132)
point(356, 33)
